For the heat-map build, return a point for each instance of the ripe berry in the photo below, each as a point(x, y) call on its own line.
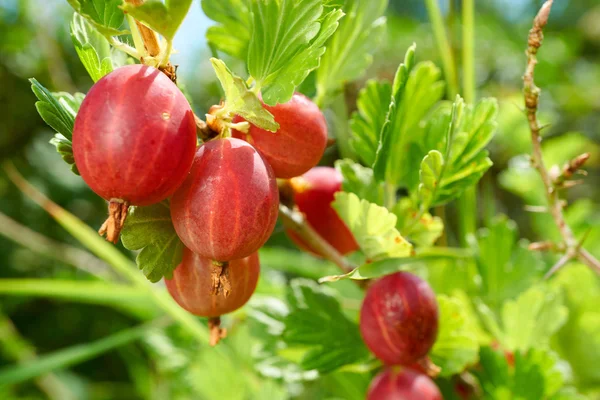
point(192, 283)
point(313, 194)
point(134, 137)
point(399, 318)
point(402, 385)
point(227, 207)
point(299, 143)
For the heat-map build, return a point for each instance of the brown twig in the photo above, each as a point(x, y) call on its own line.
point(295, 221)
point(532, 94)
point(216, 332)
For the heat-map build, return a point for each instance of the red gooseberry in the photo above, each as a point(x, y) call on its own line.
point(399, 318)
point(227, 207)
point(402, 384)
point(300, 141)
point(313, 194)
point(134, 137)
point(191, 284)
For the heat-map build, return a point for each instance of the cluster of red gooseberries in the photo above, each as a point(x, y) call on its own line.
point(135, 143)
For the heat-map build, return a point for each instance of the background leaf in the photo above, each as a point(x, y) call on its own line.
point(151, 230)
point(373, 227)
point(164, 18)
point(349, 51)
point(93, 48)
point(456, 346)
point(281, 54)
point(240, 100)
point(232, 35)
point(368, 121)
point(105, 15)
point(360, 181)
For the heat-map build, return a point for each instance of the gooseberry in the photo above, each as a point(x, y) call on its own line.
point(313, 194)
point(402, 384)
point(298, 144)
point(191, 284)
point(399, 318)
point(227, 207)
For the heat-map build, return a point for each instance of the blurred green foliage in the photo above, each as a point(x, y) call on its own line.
point(169, 364)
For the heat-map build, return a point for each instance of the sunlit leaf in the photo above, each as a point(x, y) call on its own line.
point(93, 48)
point(163, 17)
point(360, 181)
point(105, 15)
point(232, 35)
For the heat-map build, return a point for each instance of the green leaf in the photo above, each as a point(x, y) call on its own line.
point(366, 123)
point(151, 230)
point(232, 35)
point(288, 40)
point(506, 266)
point(373, 227)
point(360, 181)
point(241, 101)
point(349, 51)
point(104, 15)
point(456, 346)
point(92, 48)
point(430, 173)
point(58, 110)
point(533, 375)
point(336, 343)
point(163, 17)
point(419, 227)
point(416, 89)
point(530, 320)
point(71, 356)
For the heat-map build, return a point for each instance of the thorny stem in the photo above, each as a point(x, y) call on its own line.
point(532, 94)
point(295, 221)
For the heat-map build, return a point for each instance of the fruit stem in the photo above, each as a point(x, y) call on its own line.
point(216, 332)
point(429, 367)
point(220, 282)
point(295, 221)
point(117, 213)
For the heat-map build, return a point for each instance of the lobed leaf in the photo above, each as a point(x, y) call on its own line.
point(58, 110)
point(163, 17)
point(240, 100)
point(456, 346)
point(92, 48)
point(416, 89)
point(360, 181)
point(349, 51)
point(373, 227)
point(151, 230)
point(366, 123)
point(287, 42)
point(232, 35)
point(430, 173)
point(418, 226)
point(104, 15)
point(290, 328)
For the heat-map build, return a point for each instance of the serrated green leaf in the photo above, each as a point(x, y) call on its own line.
point(416, 89)
point(456, 346)
point(281, 54)
point(151, 230)
point(366, 123)
point(505, 264)
point(240, 100)
point(105, 15)
point(336, 343)
point(430, 175)
point(373, 227)
point(530, 320)
point(232, 35)
point(59, 110)
point(349, 51)
point(93, 48)
point(420, 228)
point(163, 17)
point(371, 270)
point(360, 181)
